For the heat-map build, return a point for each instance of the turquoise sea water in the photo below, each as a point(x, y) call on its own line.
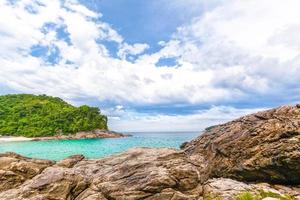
point(96, 148)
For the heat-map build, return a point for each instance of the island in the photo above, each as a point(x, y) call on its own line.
point(254, 157)
point(41, 117)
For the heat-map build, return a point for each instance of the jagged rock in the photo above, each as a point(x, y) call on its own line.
point(15, 169)
point(140, 173)
point(260, 147)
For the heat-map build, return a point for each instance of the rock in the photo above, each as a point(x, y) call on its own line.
point(53, 183)
point(70, 161)
point(260, 147)
point(89, 194)
point(228, 189)
point(15, 169)
point(84, 135)
point(183, 145)
point(224, 188)
point(140, 173)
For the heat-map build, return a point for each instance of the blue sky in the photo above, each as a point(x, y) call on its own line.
point(144, 21)
point(164, 65)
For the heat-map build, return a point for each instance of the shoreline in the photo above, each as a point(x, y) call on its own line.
point(229, 161)
point(76, 136)
point(5, 139)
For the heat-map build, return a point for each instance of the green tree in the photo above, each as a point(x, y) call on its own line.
point(33, 116)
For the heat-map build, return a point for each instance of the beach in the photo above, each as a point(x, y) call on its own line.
point(14, 139)
point(80, 135)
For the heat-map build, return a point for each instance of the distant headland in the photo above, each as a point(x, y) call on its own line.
point(41, 117)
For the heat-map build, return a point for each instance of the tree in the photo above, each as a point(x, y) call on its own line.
point(32, 116)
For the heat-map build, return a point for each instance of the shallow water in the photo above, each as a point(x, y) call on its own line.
point(96, 148)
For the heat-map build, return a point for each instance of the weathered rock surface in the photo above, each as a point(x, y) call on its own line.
point(260, 147)
point(140, 173)
point(263, 147)
point(15, 169)
point(228, 189)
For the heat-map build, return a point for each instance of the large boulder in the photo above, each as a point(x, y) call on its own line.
point(140, 173)
point(259, 147)
point(16, 169)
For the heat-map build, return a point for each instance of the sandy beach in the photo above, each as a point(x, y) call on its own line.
point(14, 139)
point(80, 135)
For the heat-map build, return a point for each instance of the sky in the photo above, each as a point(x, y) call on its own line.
point(163, 65)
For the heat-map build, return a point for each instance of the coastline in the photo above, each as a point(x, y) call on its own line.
point(230, 161)
point(80, 135)
point(4, 139)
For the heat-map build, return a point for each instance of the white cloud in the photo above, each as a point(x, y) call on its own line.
point(236, 50)
point(74, 6)
point(135, 122)
point(250, 47)
point(134, 49)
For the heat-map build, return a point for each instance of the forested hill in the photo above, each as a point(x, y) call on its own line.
point(33, 116)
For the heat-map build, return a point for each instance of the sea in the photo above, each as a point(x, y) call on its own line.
point(96, 148)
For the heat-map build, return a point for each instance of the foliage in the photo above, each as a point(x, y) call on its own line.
point(262, 194)
point(247, 196)
point(32, 116)
point(265, 194)
point(212, 198)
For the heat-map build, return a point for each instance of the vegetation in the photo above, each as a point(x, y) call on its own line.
point(265, 194)
point(212, 198)
point(33, 116)
point(247, 196)
point(262, 194)
point(255, 196)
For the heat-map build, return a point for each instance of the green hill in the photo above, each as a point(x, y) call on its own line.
point(33, 116)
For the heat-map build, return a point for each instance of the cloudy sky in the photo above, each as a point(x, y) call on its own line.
point(154, 65)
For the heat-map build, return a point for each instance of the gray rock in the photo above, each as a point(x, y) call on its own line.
point(140, 173)
point(260, 147)
point(15, 169)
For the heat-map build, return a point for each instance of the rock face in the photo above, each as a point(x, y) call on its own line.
point(15, 169)
point(260, 147)
point(140, 173)
point(263, 147)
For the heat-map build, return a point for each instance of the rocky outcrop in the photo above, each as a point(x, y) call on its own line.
point(140, 173)
point(262, 150)
point(85, 135)
point(260, 147)
point(16, 169)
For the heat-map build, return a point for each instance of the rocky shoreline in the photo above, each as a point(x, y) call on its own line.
point(80, 135)
point(253, 157)
point(85, 135)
